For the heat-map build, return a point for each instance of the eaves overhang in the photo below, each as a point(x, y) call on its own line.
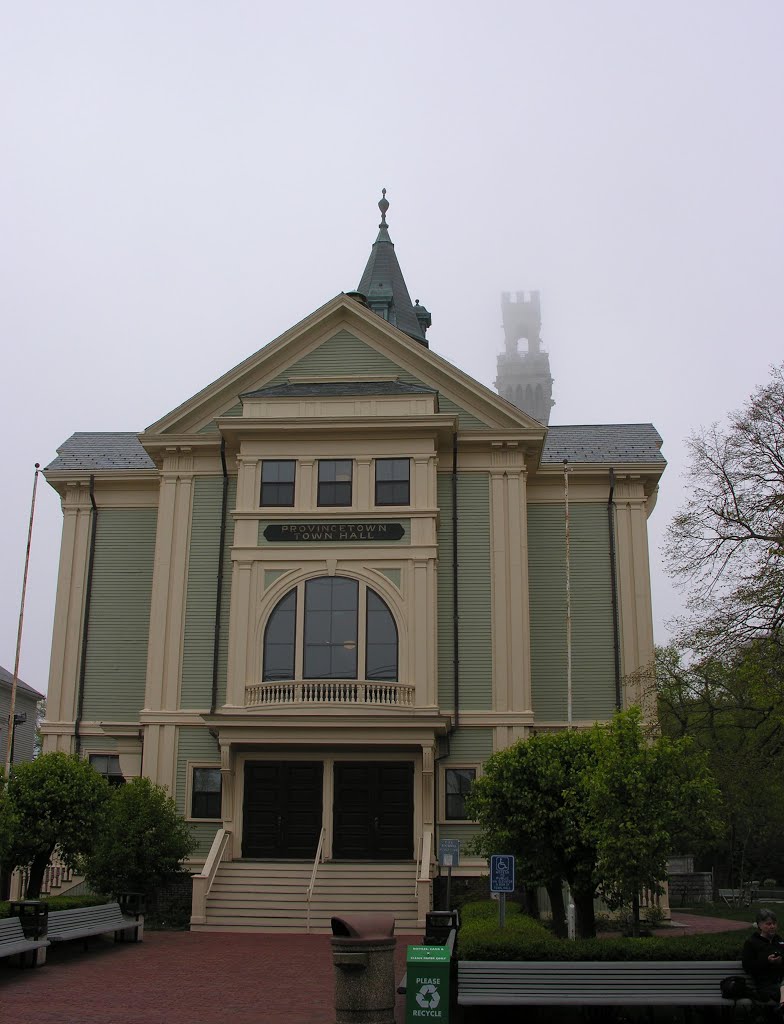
point(236, 429)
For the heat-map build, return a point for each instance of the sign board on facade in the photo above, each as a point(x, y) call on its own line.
point(502, 870)
point(325, 533)
point(449, 853)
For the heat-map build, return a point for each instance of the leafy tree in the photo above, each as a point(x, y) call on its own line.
point(727, 543)
point(733, 709)
point(645, 799)
point(530, 801)
point(56, 800)
point(143, 842)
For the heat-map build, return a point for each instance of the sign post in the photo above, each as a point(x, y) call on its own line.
point(502, 881)
point(449, 857)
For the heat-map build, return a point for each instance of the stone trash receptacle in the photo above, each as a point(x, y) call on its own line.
point(363, 953)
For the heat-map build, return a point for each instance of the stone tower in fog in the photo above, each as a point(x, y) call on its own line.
point(524, 377)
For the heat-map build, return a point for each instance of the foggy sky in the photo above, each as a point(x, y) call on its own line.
point(180, 182)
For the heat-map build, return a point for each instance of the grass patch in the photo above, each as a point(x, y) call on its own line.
point(732, 913)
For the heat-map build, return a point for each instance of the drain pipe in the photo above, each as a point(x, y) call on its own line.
point(86, 623)
point(219, 588)
point(455, 601)
point(614, 590)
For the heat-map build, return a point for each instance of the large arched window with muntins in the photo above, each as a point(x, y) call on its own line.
point(330, 627)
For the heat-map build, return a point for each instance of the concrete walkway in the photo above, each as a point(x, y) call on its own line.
point(203, 978)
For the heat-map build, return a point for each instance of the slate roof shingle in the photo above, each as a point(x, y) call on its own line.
point(333, 389)
point(113, 450)
point(604, 443)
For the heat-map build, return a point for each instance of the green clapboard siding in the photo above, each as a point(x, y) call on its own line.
point(449, 830)
point(196, 689)
point(345, 353)
point(195, 744)
point(104, 744)
point(212, 426)
point(473, 532)
point(116, 655)
point(469, 744)
point(593, 672)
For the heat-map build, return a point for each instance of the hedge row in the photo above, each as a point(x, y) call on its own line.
point(526, 939)
point(61, 903)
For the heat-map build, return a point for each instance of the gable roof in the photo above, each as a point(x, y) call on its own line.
point(604, 444)
point(6, 681)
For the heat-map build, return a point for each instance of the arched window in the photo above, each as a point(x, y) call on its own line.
point(330, 627)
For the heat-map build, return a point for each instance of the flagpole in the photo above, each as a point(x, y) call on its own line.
point(9, 743)
point(568, 601)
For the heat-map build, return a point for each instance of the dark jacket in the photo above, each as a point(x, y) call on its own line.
point(756, 950)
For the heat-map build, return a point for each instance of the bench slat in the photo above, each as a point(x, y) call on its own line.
point(82, 922)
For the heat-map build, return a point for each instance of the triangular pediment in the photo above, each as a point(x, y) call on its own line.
point(344, 340)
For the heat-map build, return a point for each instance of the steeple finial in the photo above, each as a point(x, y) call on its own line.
point(383, 205)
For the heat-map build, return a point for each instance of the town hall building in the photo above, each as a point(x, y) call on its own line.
point(313, 599)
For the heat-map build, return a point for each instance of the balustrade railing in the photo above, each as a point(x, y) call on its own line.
point(202, 883)
point(323, 692)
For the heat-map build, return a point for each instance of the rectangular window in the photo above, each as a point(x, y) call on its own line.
point(458, 782)
point(108, 765)
point(277, 482)
point(393, 481)
point(206, 793)
point(334, 482)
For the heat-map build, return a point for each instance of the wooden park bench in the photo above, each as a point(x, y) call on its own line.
point(593, 983)
point(85, 922)
point(13, 942)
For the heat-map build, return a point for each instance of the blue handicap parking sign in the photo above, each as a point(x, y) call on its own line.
point(502, 873)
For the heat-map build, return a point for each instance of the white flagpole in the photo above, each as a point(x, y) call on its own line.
point(9, 742)
point(568, 601)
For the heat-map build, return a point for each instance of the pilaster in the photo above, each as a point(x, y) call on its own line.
point(69, 605)
point(170, 581)
point(634, 584)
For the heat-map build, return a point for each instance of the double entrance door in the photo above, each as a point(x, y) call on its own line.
point(372, 812)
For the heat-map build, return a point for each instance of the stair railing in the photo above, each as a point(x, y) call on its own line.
point(202, 883)
point(318, 859)
point(423, 859)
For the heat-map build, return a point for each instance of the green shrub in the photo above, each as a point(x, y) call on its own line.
point(526, 939)
point(62, 903)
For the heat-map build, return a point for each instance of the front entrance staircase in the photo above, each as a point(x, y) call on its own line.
point(272, 896)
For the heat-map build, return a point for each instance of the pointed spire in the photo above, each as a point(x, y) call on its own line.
point(385, 287)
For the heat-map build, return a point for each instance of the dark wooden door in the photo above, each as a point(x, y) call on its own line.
point(282, 809)
point(374, 810)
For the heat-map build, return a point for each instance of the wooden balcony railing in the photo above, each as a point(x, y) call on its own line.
point(329, 692)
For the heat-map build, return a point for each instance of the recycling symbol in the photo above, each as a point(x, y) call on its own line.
point(428, 997)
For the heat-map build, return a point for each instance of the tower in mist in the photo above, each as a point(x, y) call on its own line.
point(524, 377)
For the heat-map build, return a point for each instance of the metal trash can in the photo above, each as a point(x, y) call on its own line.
point(438, 925)
point(363, 953)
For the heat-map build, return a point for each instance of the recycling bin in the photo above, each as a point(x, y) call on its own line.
point(363, 955)
point(428, 970)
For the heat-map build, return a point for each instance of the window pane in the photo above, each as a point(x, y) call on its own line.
point(279, 637)
point(381, 640)
point(392, 481)
point(458, 785)
point(334, 481)
point(331, 628)
point(206, 793)
point(277, 481)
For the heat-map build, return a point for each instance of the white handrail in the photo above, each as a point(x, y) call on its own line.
point(202, 883)
point(423, 860)
point(318, 859)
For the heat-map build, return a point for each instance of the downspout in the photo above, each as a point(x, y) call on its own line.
point(455, 601)
point(219, 590)
point(614, 591)
point(86, 623)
